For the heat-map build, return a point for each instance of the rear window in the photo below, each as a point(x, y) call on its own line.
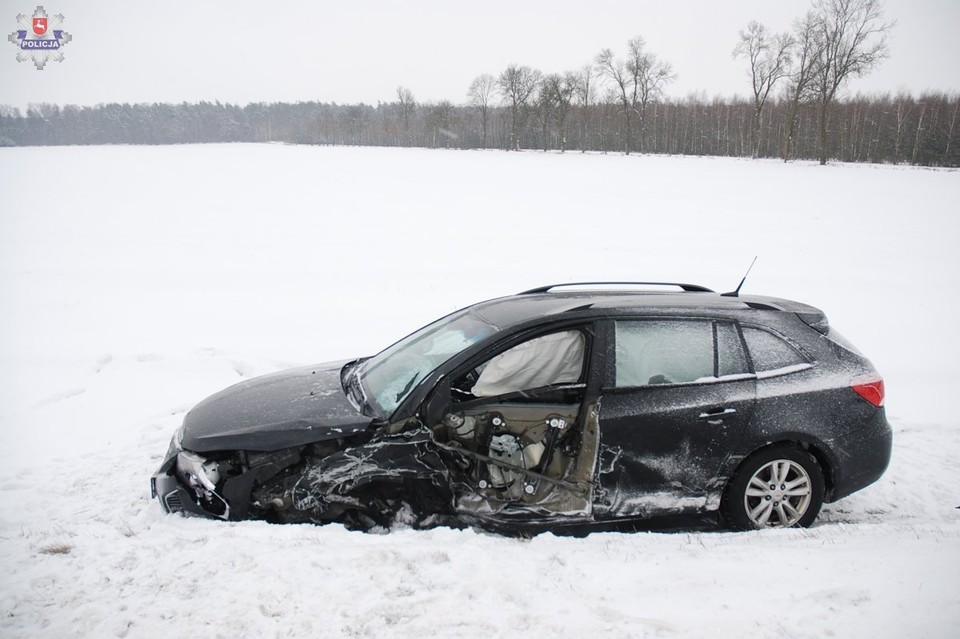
point(771, 353)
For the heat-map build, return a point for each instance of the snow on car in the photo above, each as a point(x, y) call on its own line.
point(563, 408)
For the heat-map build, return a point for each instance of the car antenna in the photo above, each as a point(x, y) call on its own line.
point(736, 291)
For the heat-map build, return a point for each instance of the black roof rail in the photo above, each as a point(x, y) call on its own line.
point(687, 288)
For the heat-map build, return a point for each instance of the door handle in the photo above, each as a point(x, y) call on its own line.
point(718, 415)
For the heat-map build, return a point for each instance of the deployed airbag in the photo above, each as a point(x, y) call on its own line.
point(552, 359)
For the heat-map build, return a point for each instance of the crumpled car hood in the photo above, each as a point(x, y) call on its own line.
point(280, 410)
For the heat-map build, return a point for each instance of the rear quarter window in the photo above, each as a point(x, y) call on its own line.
point(771, 353)
point(834, 336)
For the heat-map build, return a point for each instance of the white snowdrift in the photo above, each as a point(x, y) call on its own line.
point(137, 280)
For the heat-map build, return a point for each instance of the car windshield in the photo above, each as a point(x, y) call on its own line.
point(389, 377)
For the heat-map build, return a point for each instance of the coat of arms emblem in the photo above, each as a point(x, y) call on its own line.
point(40, 39)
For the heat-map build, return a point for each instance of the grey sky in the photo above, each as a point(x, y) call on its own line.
point(241, 51)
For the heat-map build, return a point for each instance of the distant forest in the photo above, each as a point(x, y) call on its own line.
point(884, 129)
point(795, 109)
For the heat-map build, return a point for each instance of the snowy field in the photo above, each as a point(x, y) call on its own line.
point(138, 280)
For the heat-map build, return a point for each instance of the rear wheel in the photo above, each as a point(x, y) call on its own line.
point(779, 487)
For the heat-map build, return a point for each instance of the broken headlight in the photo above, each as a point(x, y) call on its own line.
point(200, 474)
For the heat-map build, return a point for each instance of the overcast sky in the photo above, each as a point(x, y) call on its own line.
point(241, 51)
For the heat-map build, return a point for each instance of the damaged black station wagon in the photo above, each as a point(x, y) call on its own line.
point(566, 408)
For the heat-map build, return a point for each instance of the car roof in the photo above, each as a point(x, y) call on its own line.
point(540, 303)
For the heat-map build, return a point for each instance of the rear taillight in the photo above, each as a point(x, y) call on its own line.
point(869, 387)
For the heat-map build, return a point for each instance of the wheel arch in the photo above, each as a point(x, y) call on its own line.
point(806, 444)
point(734, 511)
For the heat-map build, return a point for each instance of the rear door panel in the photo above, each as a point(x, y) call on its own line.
point(665, 450)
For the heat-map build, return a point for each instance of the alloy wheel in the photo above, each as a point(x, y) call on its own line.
point(778, 494)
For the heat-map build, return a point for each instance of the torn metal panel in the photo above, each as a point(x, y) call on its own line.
point(407, 459)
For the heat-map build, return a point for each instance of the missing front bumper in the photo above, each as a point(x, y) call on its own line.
point(175, 498)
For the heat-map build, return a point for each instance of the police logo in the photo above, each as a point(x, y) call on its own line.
point(40, 40)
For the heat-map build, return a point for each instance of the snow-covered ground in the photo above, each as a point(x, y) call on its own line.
point(137, 280)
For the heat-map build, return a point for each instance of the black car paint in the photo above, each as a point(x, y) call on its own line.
point(671, 439)
point(272, 412)
point(718, 424)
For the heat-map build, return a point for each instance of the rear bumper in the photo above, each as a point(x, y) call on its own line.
point(861, 456)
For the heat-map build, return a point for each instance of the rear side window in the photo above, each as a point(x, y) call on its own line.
point(771, 353)
point(834, 336)
point(651, 352)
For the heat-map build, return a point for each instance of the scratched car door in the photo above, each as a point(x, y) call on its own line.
point(675, 404)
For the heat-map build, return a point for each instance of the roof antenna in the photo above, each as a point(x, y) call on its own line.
point(736, 292)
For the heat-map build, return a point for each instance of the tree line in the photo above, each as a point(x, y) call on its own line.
point(887, 128)
point(613, 103)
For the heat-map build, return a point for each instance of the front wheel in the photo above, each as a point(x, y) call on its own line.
point(780, 487)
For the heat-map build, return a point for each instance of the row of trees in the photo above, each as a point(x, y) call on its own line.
point(633, 84)
point(835, 41)
point(887, 128)
point(613, 103)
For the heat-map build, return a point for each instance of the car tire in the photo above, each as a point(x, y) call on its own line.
point(777, 487)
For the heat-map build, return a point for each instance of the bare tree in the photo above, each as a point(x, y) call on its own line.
point(768, 57)
point(584, 95)
point(564, 91)
point(553, 104)
point(953, 126)
point(517, 85)
point(407, 108)
point(480, 96)
point(355, 120)
point(637, 81)
point(438, 122)
point(853, 40)
point(903, 104)
point(916, 142)
point(615, 70)
point(652, 75)
point(806, 51)
point(546, 104)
